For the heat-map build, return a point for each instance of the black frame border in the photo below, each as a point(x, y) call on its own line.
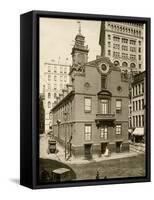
point(35, 15)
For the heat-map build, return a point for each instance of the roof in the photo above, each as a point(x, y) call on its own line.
point(61, 170)
point(138, 131)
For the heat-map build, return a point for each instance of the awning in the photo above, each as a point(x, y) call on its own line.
point(138, 131)
point(130, 130)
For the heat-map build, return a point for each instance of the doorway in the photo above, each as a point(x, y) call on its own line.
point(88, 151)
point(118, 147)
point(103, 147)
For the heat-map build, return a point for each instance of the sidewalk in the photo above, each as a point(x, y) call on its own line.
point(60, 155)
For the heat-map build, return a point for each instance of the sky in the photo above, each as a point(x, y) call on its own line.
point(57, 38)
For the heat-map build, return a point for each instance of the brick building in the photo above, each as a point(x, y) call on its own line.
point(90, 116)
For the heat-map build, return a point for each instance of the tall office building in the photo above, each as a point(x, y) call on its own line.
point(55, 79)
point(123, 43)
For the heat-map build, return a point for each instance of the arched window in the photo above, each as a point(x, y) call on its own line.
point(116, 63)
point(124, 64)
point(132, 65)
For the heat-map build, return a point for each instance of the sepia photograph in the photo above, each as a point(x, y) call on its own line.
point(92, 100)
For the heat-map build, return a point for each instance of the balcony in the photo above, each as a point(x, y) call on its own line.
point(107, 118)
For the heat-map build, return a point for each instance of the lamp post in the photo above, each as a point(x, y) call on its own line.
point(65, 118)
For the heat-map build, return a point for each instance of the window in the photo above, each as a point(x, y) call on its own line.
point(55, 78)
point(139, 49)
point(139, 89)
point(49, 69)
point(124, 64)
point(139, 57)
point(55, 86)
point(65, 70)
point(124, 48)
point(132, 56)
point(139, 66)
point(118, 129)
point(143, 104)
point(88, 132)
point(133, 42)
point(133, 49)
point(55, 95)
point(139, 104)
point(103, 82)
point(49, 104)
point(139, 42)
point(133, 106)
point(136, 105)
point(142, 87)
point(104, 132)
point(61, 78)
point(142, 120)
point(65, 78)
point(139, 121)
point(136, 121)
point(109, 52)
point(55, 69)
point(116, 46)
point(136, 90)
point(124, 40)
point(116, 39)
point(116, 54)
point(109, 44)
point(104, 106)
point(109, 37)
point(118, 106)
point(132, 65)
point(124, 55)
point(87, 104)
point(49, 95)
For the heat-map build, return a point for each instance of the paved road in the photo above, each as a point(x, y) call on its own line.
point(125, 167)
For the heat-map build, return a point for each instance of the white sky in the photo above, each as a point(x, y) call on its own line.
point(57, 36)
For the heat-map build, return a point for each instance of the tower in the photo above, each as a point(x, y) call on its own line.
point(79, 51)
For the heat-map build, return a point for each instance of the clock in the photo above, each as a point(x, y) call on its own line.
point(104, 68)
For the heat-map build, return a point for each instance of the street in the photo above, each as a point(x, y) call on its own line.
point(118, 168)
point(124, 165)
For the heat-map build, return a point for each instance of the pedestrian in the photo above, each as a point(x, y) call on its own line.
point(97, 175)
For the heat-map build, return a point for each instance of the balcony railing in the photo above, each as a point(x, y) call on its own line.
point(107, 116)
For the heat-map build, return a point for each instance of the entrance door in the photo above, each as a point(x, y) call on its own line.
point(88, 151)
point(103, 148)
point(118, 147)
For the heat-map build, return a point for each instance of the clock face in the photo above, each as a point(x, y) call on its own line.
point(104, 68)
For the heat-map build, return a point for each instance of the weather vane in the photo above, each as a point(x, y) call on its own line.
point(79, 27)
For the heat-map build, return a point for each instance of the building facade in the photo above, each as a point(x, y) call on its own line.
point(41, 114)
point(91, 116)
point(55, 79)
point(123, 43)
point(138, 103)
